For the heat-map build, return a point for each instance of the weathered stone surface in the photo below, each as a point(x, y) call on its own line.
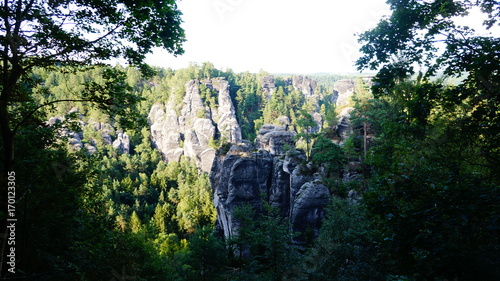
point(237, 179)
point(188, 132)
point(122, 142)
point(105, 130)
point(90, 148)
point(292, 160)
point(344, 90)
point(304, 84)
point(267, 86)
point(247, 176)
point(225, 114)
point(308, 208)
point(279, 193)
point(274, 138)
point(344, 128)
point(300, 175)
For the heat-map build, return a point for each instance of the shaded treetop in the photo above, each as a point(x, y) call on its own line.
point(41, 33)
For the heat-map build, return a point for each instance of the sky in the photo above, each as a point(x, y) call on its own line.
point(277, 36)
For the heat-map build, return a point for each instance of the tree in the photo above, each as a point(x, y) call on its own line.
point(408, 39)
point(74, 34)
point(329, 154)
point(207, 255)
point(263, 244)
point(306, 127)
point(135, 223)
point(436, 160)
point(344, 248)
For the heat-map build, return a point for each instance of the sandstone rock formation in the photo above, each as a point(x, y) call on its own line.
point(105, 131)
point(190, 130)
point(304, 84)
point(267, 86)
point(122, 142)
point(343, 91)
point(274, 138)
point(266, 173)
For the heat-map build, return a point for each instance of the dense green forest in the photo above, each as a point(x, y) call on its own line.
point(426, 148)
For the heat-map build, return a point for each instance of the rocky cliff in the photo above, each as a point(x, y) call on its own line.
point(344, 90)
point(304, 84)
point(96, 132)
point(191, 130)
point(267, 86)
point(268, 171)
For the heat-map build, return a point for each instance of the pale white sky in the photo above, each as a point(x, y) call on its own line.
point(278, 36)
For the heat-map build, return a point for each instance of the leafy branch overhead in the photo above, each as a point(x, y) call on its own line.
point(415, 34)
point(41, 33)
point(423, 36)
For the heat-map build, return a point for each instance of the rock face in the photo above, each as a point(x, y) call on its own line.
point(265, 173)
point(122, 142)
point(309, 208)
point(343, 91)
point(190, 130)
point(105, 130)
point(304, 84)
point(267, 86)
point(301, 83)
point(274, 138)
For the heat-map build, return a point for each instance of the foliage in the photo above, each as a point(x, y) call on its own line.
point(207, 255)
point(435, 162)
point(412, 43)
point(73, 36)
point(344, 249)
point(306, 128)
point(328, 154)
point(263, 245)
point(208, 96)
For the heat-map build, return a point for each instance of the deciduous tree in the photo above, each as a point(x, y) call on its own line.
point(74, 35)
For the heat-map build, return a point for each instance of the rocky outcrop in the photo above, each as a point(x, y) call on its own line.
point(343, 91)
point(304, 84)
point(122, 142)
point(190, 129)
point(267, 86)
point(308, 208)
point(275, 139)
point(98, 133)
point(239, 177)
point(344, 128)
point(266, 173)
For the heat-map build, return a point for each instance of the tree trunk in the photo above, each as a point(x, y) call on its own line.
point(364, 140)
